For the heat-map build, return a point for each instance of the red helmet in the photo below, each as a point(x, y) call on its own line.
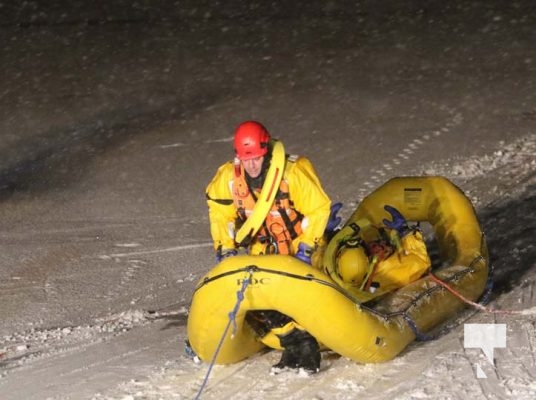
point(251, 140)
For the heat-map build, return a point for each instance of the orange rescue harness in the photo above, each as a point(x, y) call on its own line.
point(283, 222)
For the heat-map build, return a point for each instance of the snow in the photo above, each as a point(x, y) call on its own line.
point(114, 118)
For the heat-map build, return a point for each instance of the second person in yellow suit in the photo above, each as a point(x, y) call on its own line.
point(393, 257)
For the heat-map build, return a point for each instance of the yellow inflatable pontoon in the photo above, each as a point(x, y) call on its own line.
point(332, 310)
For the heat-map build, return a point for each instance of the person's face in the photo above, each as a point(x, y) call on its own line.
point(253, 166)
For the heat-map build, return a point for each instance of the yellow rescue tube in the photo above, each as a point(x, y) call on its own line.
point(267, 195)
point(328, 310)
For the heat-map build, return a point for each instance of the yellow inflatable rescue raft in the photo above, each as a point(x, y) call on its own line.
point(337, 314)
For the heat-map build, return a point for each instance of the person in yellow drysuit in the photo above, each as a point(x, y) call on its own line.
point(295, 225)
point(395, 258)
point(297, 220)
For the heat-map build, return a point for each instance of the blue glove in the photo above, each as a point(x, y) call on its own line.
point(333, 220)
point(224, 253)
point(398, 223)
point(304, 253)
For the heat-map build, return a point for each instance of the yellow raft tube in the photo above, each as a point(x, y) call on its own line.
point(330, 309)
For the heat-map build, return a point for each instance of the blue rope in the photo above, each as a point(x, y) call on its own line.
point(421, 336)
point(485, 298)
point(232, 319)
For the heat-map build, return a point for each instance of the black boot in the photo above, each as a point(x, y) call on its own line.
point(309, 355)
point(289, 359)
point(301, 350)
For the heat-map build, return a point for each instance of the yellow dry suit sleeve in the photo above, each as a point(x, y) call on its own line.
point(221, 210)
point(405, 266)
point(309, 199)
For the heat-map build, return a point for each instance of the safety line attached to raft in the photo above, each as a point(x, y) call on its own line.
point(232, 318)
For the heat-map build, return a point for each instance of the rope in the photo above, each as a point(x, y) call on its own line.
point(232, 319)
point(530, 311)
point(486, 297)
point(422, 336)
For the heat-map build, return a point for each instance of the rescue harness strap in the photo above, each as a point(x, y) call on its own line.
point(225, 202)
point(289, 224)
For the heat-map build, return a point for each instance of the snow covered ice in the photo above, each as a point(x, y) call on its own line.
point(115, 116)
